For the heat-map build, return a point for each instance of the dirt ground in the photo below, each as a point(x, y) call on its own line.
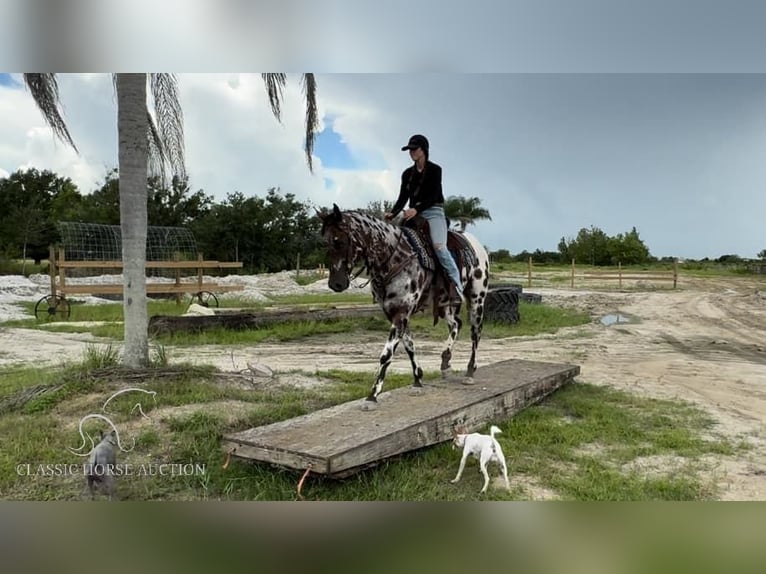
point(704, 342)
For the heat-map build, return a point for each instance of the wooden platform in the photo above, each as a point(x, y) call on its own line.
point(343, 439)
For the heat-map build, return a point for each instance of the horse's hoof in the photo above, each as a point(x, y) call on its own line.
point(370, 405)
point(446, 373)
point(468, 381)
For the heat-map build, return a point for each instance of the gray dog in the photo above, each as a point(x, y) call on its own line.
point(101, 464)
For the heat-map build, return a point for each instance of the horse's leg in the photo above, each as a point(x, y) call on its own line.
point(454, 323)
point(476, 316)
point(409, 346)
point(394, 335)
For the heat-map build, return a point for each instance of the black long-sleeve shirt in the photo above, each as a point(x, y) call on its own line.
point(423, 189)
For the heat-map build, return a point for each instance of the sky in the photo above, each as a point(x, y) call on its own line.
point(680, 157)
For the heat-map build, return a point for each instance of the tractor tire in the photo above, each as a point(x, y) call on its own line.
point(517, 287)
point(534, 298)
point(502, 306)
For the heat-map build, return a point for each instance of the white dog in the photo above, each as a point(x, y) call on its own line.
point(483, 447)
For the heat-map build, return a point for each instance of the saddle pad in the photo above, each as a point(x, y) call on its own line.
point(461, 249)
point(419, 245)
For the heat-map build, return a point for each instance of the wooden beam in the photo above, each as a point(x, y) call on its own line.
point(341, 440)
point(116, 264)
point(166, 324)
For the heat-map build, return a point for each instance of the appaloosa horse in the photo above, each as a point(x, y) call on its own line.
point(405, 279)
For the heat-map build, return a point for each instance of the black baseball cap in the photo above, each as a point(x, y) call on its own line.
point(417, 141)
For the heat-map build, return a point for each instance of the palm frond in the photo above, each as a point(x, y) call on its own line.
point(312, 115)
point(45, 91)
point(169, 121)
point(274, 85)
point(157, 158)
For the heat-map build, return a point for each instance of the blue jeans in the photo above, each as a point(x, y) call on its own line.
point(437, 226)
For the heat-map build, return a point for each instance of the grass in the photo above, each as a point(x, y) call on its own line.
point(536, 319)
point(584, 442)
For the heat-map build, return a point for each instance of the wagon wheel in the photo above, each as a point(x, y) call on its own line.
point(206, 299)
point(52, 305)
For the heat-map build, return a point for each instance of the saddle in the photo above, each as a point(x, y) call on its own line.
point(417, 233)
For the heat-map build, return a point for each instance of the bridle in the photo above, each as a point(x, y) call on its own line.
point(366, 265)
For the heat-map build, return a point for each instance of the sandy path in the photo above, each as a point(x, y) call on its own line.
point(704, 343)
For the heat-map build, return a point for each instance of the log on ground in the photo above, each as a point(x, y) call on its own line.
point(168, 324)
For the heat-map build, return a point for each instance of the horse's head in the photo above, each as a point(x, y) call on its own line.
point(343, 252)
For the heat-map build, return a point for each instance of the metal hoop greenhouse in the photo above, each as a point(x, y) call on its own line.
point(98, 242)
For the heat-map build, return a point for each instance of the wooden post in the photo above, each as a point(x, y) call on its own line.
point(62, 272)
point(199, 273)
point(177, 257)
point(298, 266)
point(52, 268)
point(571, 281)
point(675, 273)
point(529, 272)
point(619, 273)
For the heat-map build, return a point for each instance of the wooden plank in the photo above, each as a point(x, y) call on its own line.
point(117, 264)
point(343, 439)
point(150, 288)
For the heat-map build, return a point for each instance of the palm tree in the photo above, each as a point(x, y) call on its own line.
point(465, 211)
point(149, 144)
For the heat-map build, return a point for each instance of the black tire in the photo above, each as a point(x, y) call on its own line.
point(502, 306)
point(533, 298)
point(513, 286)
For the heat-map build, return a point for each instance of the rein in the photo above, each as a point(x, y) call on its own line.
point(396, 270)
point(391, 274)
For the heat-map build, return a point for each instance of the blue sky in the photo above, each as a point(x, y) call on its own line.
point(8, 80)
point(332, 150)
point(678, 156)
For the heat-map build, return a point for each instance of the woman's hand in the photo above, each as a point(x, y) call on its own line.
point(410, 213)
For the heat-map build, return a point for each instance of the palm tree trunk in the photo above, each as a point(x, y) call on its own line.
point(133, 154)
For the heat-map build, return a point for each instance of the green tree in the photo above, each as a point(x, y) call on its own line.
point(762, 254)
point(31, 202)
point(265, 234)
point(103, 204)
point(378, 208)
point(590, 246)
point(466, 211)
point(595, 247)
point(145, 142)
point(501, 256)
point(175, 205)
point(627, 249)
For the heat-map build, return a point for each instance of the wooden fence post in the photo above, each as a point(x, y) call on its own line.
point(199, 272)
point(52, 268)
point(298, 266)
point(62, 272)
point(571, 281)
point(619, 274)
point(177, 257)
point(529, 272)
point(675, 273)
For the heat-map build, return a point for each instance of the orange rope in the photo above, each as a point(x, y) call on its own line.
point(300, 482)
